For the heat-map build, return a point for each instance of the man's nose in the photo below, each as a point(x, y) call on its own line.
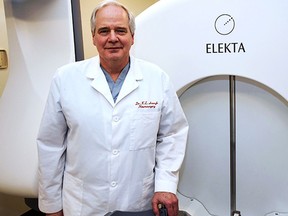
point(113, 36)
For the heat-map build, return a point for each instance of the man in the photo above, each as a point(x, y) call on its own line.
point(113, 133)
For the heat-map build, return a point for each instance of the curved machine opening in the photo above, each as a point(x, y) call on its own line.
point(261, 148)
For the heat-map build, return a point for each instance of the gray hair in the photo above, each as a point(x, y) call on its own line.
point(131, 17)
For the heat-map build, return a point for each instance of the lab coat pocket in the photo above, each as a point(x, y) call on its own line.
point(72, 195)
point(144, 127)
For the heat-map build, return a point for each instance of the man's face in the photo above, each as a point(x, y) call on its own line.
point(112, 35)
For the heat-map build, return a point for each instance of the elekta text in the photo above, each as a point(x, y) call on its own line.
point(234, 47)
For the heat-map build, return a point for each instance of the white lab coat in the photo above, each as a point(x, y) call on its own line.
point(96, 156)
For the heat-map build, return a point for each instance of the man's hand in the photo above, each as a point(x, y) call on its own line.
point(169, 200)
point(60, 213)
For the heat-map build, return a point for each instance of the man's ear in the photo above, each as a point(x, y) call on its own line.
point(93, 40)
point(132, 39)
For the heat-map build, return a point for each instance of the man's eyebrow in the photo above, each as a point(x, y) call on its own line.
point(101, 28)
point(120, 27)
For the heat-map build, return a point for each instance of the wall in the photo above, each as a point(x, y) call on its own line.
point(11, 205)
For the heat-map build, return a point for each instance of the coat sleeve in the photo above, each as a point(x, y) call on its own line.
point(171, 141)
point(51, 151)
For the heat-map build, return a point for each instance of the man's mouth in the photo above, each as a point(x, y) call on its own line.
point(113, 48)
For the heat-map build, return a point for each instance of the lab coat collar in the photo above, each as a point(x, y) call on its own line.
point(100, 84)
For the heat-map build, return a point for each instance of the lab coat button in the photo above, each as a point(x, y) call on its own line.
point(115, 152)
point(116, 118)
point(113, 184)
